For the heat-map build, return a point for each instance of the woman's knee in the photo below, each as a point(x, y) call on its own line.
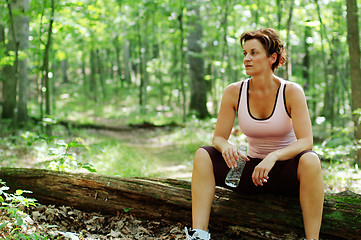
point(202, 159)
point(309, 162)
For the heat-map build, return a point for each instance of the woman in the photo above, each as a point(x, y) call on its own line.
point(273, 115)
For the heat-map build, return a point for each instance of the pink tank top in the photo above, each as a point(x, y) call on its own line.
point(269, 134)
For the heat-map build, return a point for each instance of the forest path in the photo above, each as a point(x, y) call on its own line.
point(157, 145)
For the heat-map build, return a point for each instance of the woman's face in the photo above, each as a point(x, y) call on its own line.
point(255, 59)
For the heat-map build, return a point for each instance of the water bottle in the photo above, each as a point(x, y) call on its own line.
point(234, 175)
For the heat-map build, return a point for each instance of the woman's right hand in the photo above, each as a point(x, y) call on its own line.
point(231, 154)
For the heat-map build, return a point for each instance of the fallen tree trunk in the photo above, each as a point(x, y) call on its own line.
point(109, 126)
point(170, 200)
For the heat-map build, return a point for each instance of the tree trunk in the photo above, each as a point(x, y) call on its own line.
point(93, 73)
point(335, 79)
point(289, 46)
point(64, 69)
point(101, 73)
point(170, 200)
point(22, 113)
point(225, 59)
point(22, 26)
point(119, 76)
point(140, 67)
point(84, 73)
point(327, 98)
point(9, 93)
point(353, 38)
point(45, 68)
point(127, 62)
point(11, 71)
point(2, 53)
point(182, 62)
point(306, 58)
point(279, 14)
point(2, 35)
point(195, 60)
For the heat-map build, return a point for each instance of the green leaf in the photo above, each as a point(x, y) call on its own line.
point(19, 192)
point(3, 225)
point(19, 221)
point(89, 167)
point(127, 209)
point(75, 144)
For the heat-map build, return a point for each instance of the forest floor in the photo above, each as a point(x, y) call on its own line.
point(64, 222)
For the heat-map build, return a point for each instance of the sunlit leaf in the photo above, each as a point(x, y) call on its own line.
point(19, 192)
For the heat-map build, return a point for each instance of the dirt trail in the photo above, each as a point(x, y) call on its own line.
point(150, 143)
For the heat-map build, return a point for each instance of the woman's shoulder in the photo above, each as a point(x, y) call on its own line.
point(231, 94)
point(293, 87)
point(234, 88)
point(294, 91)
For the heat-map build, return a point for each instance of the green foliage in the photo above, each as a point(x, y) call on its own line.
point(17, 220)
point(14, 222)
point(62, 155)
point(338, 146)
point(8, 59)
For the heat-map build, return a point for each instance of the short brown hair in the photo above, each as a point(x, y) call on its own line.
point(270, 41)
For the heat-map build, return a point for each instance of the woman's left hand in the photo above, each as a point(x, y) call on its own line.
point(260, 172)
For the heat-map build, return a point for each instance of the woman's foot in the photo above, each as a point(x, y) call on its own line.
point(197, 234)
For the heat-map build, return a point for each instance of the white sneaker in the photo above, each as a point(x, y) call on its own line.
point(197, 234)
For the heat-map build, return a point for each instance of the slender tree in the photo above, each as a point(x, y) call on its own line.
point(353, 38)
point(196, 63)
point(93, 75)
point(289, 45)
point(64, 69)
point(16, 74)
point(10, 71)
point(327, 97)
point(306, 57)
point(182, 62)
point(2, 54)
point(45, 68)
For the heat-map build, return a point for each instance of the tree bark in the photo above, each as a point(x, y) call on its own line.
point(182, 62)
point(64, 69)
point(142, 84)
point(196, 62)
point(118, 61)
point(170, 200)
point(306, 58)
point(2, 53)
point(45, 67)
point(327, 97)
point(22, 26)
point(100, 72)
point(22, 113)
point(353, 38)
point(93, 73)
point(11, 71)
point(127, 62)
point(288, 44)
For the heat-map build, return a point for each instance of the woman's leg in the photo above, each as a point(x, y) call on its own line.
point(203, 188)
point(311, 193)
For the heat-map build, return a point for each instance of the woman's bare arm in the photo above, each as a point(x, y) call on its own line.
point(225, 121)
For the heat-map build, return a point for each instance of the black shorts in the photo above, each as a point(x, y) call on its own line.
point(282, 177)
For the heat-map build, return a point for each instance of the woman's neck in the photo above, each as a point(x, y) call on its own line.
point(264, 83)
